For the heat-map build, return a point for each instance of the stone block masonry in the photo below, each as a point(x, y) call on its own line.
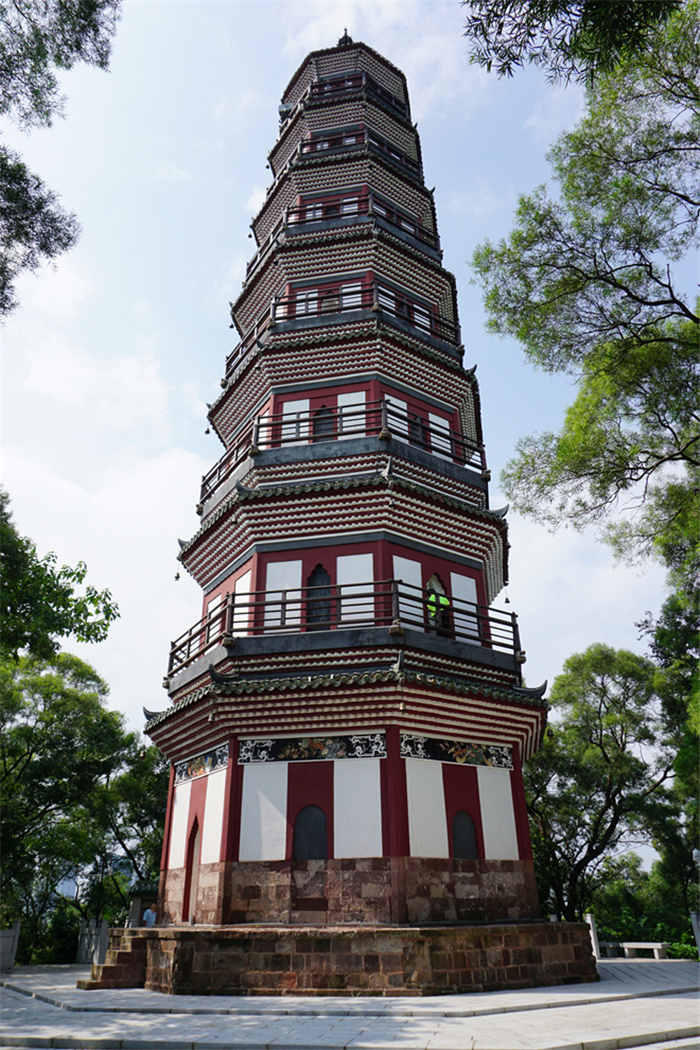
point(346, 960)
point(363, 890)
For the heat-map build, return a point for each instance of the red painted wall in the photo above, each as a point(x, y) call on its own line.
point(462, 792)
point(310, 784)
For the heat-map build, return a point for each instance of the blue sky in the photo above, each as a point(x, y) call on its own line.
point(109, 362)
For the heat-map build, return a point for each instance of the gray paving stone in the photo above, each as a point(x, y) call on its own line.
point(637, 1003)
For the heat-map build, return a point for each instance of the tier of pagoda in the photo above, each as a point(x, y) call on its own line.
point(347, 723)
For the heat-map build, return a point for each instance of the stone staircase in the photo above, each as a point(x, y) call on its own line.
point(124, 965)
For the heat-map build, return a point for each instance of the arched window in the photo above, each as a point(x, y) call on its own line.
point(464, 843)
point(318, 603)
point(324, 424)
point(310, 837)
point(194, 844)
point(439, 606)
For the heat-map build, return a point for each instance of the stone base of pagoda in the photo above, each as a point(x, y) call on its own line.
point(373, 889)
point(346, 960)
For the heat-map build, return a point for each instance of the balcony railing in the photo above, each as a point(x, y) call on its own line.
point(335, 87)
point(371, 295)
point(389, 604)
point(252, 336)
point(343, 207)
point(365, 419)
point(352, 141)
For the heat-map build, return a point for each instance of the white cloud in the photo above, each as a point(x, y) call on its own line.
point(121, 393)
point(569, 593)
point(256, 199)
point(125, 528)
point(480, 200)
point(558, 111)
point(55, 291)
point(68, 383)
point(172, 173)
point(242, 104)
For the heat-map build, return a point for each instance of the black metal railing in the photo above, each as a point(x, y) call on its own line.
point(373, 295)
point(329, 143)
point(347, 83)
point(389, 604)
point(338, 423)
point(343, 207)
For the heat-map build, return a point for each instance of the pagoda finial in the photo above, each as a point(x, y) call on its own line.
point(345, 39)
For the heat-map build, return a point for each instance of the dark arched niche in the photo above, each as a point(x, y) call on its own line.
point(318, 605)
point(464, 842)
point(310, 836)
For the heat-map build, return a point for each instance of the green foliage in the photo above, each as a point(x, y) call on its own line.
point(630, 904)
point(37, 39)
point(571, 39)
point(83, 800)
point(585, 283)
point(39, 602)
point(33, 227)
point(600, 776)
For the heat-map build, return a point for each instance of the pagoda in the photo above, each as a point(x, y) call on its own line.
point(347, 720)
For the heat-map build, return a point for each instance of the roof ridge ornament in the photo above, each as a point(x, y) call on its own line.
point(345, 40)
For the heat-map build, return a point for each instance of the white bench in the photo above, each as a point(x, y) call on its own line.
point(631, 948)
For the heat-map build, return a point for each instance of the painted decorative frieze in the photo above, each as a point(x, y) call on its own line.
point(312, 748)
point(202, 764)
point(459, 751)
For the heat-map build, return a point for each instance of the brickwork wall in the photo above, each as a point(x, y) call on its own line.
point(364, 961)
point(373, 889)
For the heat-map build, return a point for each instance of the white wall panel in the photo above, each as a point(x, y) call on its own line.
point(464, 590)
point(213, 817)
point(427, 823)
point(283, 582)
point(357, 817)
point(351, 414)
point(411, 603)
point(178, 825)
point(264, 812)
point(497, 813)
point(241, 606)
point(355, 575)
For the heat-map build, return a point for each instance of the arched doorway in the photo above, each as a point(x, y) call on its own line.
point(464, 841)
point(438, 605)
point(194, 843)
point(324, 424)
point(310, 834)
point(318, 604)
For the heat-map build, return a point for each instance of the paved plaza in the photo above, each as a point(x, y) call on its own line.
point(638, 1002)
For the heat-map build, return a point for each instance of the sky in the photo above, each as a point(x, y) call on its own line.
point(110, 360)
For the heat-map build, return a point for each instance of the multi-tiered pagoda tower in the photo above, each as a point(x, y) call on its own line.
point(347, 721)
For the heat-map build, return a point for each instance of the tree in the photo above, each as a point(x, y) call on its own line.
point(83, 800)
point(33, 227)
point(39, 601)
point(571, 39)
point(585, 283)
point(600, 776)
point(37, 39)
point(631, 904)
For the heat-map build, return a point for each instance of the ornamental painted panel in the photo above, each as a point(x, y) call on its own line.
point(456, 751)
point(202, 764)
point(311, 748)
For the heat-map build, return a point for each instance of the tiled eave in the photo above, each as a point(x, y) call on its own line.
point(333, 485)
point(241, 687)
